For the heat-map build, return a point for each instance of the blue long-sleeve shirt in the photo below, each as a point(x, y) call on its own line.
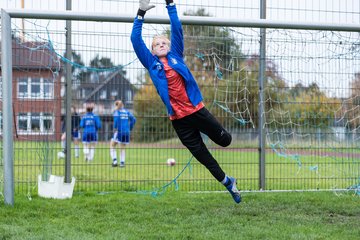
point(90, 122)
point(175, 60)
point(75, 122)
point(124, 120)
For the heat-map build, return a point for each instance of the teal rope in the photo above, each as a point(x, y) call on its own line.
point(280, 153)
point(161, 190)
point(226, 109)
point(356, 188)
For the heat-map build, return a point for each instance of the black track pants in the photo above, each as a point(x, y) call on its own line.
point(188, 130)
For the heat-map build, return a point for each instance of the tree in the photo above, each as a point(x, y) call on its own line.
point(310, 107)
point(208, 42)
point(101, 63)
point(296, 90)
point(152, 120)
point(213, 55)
point(274, 89)
point(351, 107)
point(97, 65)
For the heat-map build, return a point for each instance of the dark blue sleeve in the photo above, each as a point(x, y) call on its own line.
point(75, 121)
point(177, 37)
point(97, 122)
point(82, 122)
point(142, 52)
point(116, 122)
point(63, 126)
point(132, 120)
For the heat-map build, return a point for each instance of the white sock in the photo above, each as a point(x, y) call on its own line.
point(113, 153)
point(224, 180)
point(86, 151)
point(77, 151)
point(122, 156)
point(92, 153)
point(63, 145)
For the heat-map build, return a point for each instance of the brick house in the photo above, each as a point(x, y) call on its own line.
point(36, 85)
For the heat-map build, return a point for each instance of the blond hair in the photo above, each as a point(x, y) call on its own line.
point(159, 37)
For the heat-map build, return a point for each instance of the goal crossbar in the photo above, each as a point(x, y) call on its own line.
point(187, 20)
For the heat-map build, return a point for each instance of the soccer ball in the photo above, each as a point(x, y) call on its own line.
point(60, 155)
point(171, 162)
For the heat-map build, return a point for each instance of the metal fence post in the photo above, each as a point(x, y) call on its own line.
point(261, 120)
point(68, 100)
point(8, 144)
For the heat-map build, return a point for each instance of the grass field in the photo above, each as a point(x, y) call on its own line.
point(146, 168)
point(180, 215)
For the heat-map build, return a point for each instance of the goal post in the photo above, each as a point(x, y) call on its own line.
point(6, 16)
point(6, 68)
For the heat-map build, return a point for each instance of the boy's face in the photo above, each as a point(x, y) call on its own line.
point(160, 47)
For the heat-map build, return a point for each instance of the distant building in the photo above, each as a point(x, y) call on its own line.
point(37, 74)
point(38, 93)
point(103, 88)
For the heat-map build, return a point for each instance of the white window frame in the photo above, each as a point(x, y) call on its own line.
point(42, 116)
point(129, 96)
point(29, 83)
point(1, 87)
point(1, 122)
point(103, 94)
point(114, 93)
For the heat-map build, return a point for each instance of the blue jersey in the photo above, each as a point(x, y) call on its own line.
point(124, 121)
point(115, 114)
point(90, 122)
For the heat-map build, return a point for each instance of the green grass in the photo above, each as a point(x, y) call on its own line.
point(146, 168)
point(180, 215)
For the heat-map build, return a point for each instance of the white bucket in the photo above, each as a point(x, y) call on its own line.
point(55, 187)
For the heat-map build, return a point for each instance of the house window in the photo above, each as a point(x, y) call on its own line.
point(103, 94)
point(62, 90)
point(48, 121)
point(23, 87)
point(114, 93)
point(128, 96)
point(35, 88)
point(22, 122)
point(35, 123)
point(48, 88)
point(1, 84)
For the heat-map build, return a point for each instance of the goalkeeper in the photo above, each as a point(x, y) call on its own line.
point(180, 93)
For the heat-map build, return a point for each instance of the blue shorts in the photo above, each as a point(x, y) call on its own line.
point(89, 137)
point(123, 138)
point(76, 134)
